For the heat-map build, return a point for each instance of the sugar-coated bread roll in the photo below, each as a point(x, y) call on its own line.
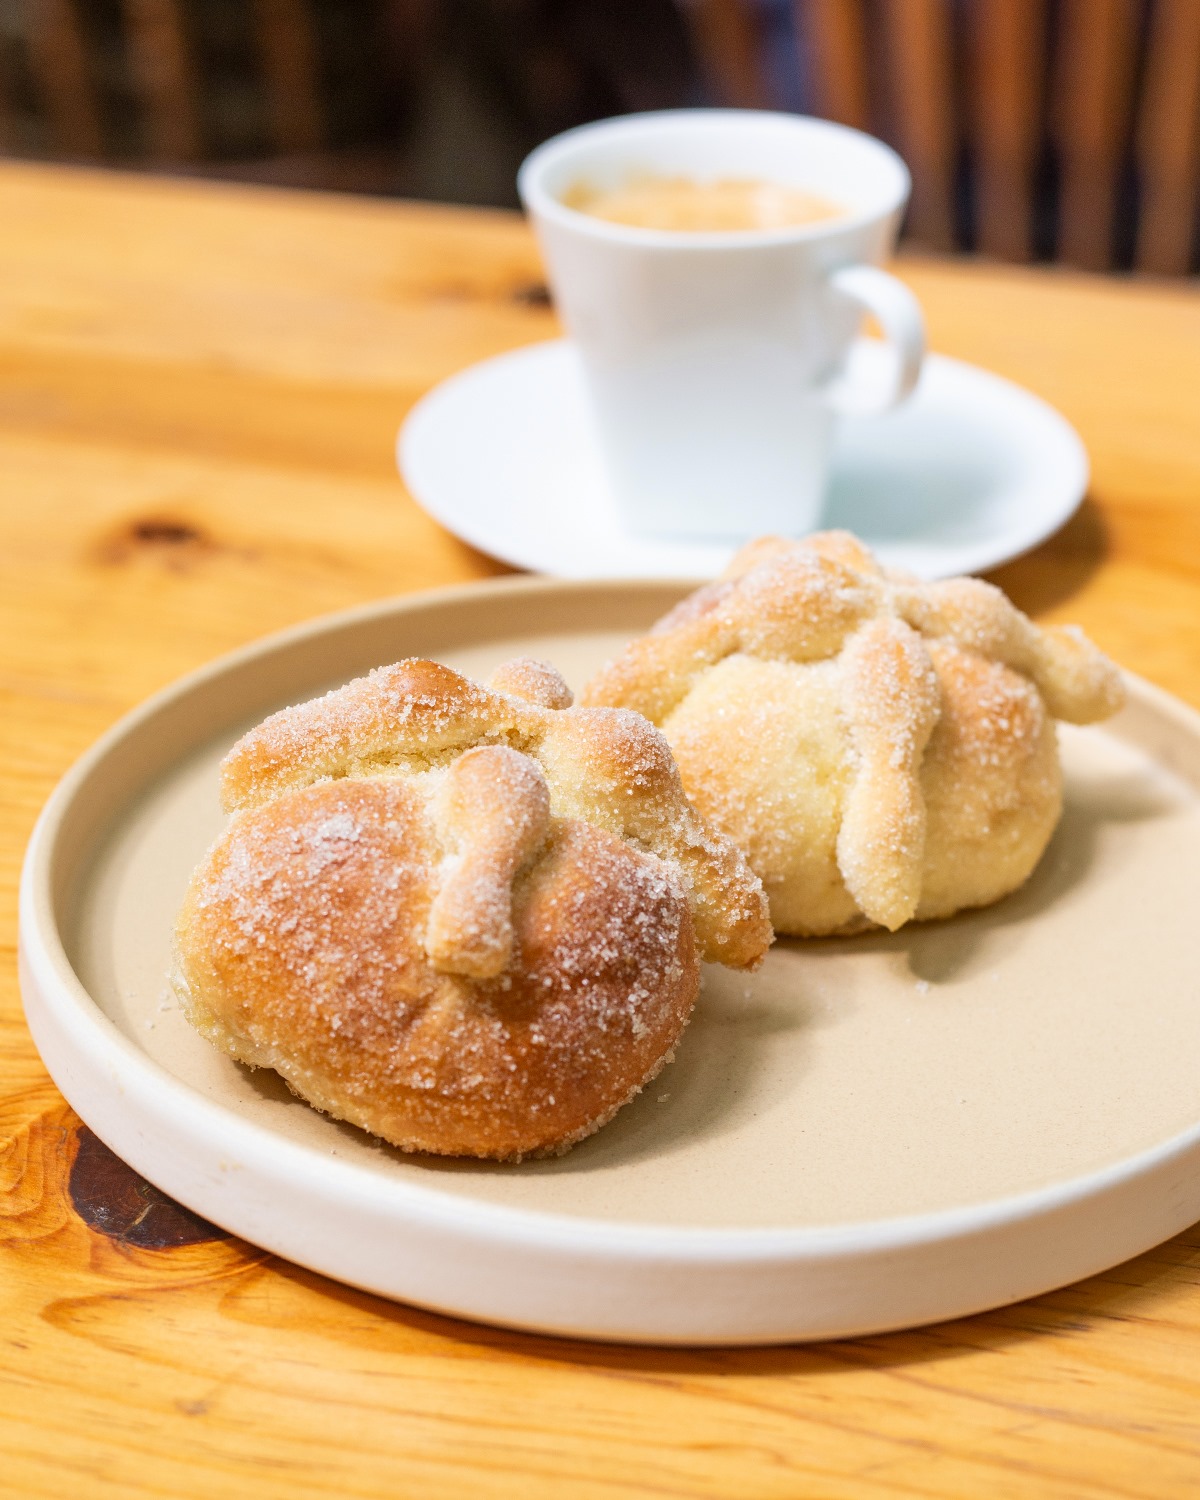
point(882, 749)
point(467, 919)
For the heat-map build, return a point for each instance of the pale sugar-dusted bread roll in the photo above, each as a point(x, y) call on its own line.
point(881, 749)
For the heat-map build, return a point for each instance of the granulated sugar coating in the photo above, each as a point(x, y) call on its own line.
point(467, 920)
point(880, 748)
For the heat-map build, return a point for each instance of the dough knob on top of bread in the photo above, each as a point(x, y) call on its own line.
point(468, 919)
point(494, 812)
point(880, 748)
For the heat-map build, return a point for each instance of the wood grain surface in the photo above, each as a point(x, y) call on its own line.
point(199, 389)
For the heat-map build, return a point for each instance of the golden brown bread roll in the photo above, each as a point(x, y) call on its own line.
point(468, 920)
point(880, 748)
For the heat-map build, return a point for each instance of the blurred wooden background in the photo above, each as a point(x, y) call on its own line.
point(1035, 129)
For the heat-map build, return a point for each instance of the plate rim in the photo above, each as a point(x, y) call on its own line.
point(57, 1004)
point(982, 557)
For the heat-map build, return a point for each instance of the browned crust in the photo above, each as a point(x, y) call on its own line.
point(418, 708)
point(467, 919)
point(300, 948)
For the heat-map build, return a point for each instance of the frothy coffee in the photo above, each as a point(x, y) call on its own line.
point(679, 203)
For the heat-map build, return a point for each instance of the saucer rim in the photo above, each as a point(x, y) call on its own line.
point(1071, 478)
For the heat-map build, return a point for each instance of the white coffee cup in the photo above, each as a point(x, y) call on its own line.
point(716, 361)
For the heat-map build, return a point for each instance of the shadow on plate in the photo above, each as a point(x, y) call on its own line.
point(942, 950)
point(705, 1090)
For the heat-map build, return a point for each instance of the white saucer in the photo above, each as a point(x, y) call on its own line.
point(970, 472)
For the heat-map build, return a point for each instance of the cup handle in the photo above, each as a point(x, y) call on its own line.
point(899, 315)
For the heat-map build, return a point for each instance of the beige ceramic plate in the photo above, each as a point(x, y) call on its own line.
point(869, 1133)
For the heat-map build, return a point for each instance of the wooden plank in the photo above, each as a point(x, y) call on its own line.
point(834, 38)
point(8, 113)
point(1006, 79)
point(59, 57)
point(725, 34)
point(291, 68)
point(1168, 141)
point(1095, 82)
point(164, 73)
point(197, 406)
point(917, 54)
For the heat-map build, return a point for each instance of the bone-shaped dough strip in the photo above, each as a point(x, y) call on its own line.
point(608, 767)
point(614, 770)
point(800, 606)
point(794, 606)
point(891, 704)
point(414, 707)
point(1077, 681)
point(493, 812)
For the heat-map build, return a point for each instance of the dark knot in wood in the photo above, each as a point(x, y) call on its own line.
point(163, 539)
point(118, 1202)
point(163, 532)
point(532, 294)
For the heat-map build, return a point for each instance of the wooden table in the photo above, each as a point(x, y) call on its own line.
point(199, 388)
